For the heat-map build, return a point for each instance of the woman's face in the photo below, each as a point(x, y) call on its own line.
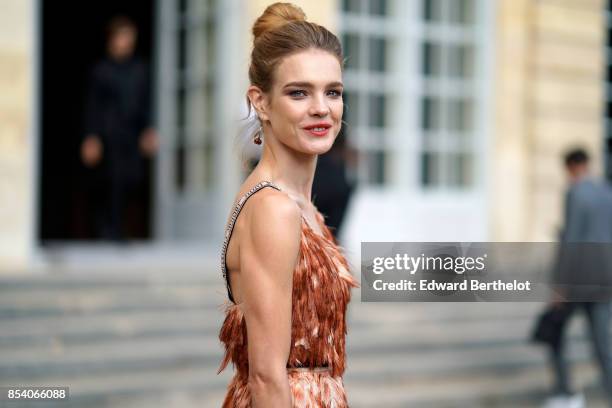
point(304, 106)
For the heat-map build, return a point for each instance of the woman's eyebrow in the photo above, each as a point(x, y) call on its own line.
point(310, 85)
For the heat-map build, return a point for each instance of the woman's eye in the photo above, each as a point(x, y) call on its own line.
point(299, 93)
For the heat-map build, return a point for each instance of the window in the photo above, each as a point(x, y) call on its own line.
point(410, 90)
point(432, 10)
point(351, 6)
point(377, 110)
point(432, 59)
point(460, 61)
point(377, 58)
point(431, 113)
point(378, 7)
point(195, 106)
point(351, 50)
point(448, 104)
point(461, 11)
point(367, 53)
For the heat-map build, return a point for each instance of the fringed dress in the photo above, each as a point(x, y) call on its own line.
point(321, 292)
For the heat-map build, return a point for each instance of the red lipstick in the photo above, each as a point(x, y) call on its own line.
point(318, 129)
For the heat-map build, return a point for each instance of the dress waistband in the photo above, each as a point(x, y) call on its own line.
point(309, 369)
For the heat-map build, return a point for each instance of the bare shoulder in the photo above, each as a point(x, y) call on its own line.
point(273, 217)
point(269, 250)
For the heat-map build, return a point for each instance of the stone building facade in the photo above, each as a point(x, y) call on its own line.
point(539, 90)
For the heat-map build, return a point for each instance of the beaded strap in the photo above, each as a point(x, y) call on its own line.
point(230, 228)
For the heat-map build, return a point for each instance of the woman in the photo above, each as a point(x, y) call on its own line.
point(287, 280)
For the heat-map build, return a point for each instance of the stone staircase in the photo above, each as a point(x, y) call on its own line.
point(150, 340)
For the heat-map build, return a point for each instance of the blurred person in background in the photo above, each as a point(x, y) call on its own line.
point(583, 273)
point(331, 189)
point(119, 137)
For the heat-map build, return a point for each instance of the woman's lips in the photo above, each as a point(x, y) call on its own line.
point(319, 133)
point(318, 129)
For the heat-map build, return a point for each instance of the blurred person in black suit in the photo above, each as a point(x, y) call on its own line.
point(331, 189)
point(119, 137)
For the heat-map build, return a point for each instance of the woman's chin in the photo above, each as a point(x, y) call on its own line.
point(318, 149)
point(320, 146)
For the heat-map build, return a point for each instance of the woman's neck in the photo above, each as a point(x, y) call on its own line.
point(293, 172)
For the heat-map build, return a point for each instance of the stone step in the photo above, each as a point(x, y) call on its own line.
point(366, 356)
point(108, 279)
point(38, 297)
point(103, 327)
point(109, 303)
point(399, 312)
point(40, 303)
point(119, 355)
point(106, 325)
point(41, 333)
point(524, 387)
point(386, 364)
point(136, 341)
point(98, 387)
point(195, 387)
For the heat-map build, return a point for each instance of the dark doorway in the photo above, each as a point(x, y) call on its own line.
point(73, 40)
point(608, 88)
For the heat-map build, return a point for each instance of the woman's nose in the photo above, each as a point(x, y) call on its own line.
point(319, 107)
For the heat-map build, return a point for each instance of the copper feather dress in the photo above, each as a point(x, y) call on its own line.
point(321, 292)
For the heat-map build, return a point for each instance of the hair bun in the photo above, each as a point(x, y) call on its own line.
point(277, 15)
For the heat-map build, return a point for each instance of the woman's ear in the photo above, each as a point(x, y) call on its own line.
point(258, 101)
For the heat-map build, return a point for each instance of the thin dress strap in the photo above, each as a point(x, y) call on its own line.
point(230, 229)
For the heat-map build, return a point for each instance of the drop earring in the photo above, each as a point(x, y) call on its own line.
point(257, 140)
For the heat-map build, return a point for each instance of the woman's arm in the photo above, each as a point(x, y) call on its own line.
point(269, 250)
